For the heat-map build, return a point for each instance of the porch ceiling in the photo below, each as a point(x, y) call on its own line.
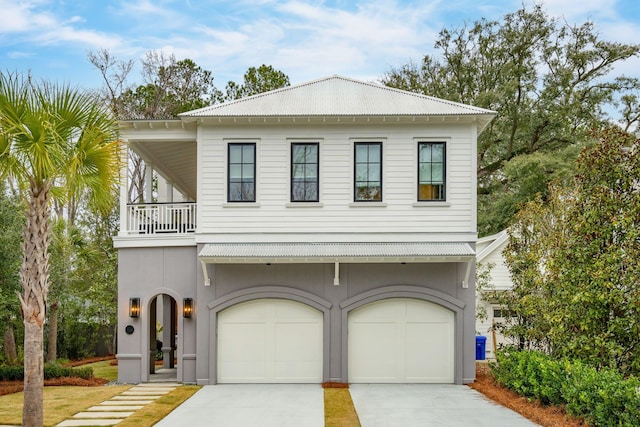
point(176, 161)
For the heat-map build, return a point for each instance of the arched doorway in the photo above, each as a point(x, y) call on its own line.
point(163, 336)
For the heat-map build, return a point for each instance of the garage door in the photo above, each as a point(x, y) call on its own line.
point(270, 341)
point(401, 340)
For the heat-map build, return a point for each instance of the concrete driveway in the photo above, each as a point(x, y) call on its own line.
point(378, 405)
point(264, 405)
point(416, 405)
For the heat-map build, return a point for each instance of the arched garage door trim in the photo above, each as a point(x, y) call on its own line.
point(405, 291)
point(267, 292)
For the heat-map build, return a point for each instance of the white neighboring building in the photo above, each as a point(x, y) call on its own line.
point(489, 252)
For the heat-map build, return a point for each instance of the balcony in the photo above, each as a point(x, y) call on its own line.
point(161, 218)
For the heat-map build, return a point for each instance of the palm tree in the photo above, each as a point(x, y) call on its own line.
point(54, 141)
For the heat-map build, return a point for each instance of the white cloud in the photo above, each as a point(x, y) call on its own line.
point(88, 39)
point(304, 38)
point(40, 27)
point(18, 55)
point(19, 17)
point(308, 40)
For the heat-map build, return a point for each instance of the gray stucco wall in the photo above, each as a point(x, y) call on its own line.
point(146, 273)
point(177, 272)
point(313, 284)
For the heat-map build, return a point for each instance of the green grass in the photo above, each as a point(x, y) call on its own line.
point(160, 408)
point(338, 408)
point(103, 370)
point(60, 402)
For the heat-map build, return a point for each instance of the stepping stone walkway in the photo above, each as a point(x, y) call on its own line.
point(116, 409)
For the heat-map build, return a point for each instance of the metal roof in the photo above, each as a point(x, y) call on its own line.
point(335, 252)
point(340, 96)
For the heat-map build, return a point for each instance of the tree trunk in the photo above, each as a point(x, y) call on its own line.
point(34, 275)
point(33, 413)
point(52, 335)
point(10, 352)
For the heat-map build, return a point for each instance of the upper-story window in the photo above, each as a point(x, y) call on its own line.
point(431, 171)
point(304, 172)
point(368, 172)
point(242, 172)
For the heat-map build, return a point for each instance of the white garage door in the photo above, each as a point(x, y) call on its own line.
point(270, 341)
point(401, 340)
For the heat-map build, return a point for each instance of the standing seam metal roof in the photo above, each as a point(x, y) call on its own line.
point(337, 96)
point(335, 250)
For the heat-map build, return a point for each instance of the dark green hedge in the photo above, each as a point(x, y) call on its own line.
point(51, 370)
point(600, 397)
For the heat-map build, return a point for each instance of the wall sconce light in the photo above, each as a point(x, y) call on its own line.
point(187, 308)
point(134, 307)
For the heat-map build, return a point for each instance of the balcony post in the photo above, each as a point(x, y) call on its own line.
point(124, 188)
point(169, 192)
point(148, 183)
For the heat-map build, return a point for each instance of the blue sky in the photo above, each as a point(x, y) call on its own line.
point(304, 39)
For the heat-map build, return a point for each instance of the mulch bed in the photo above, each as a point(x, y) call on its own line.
point(547, 416)
point(9, 387)
point(331, 384)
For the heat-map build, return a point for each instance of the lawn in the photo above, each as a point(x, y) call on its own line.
point(103, 369)
point(160, 408)
point(60, 402)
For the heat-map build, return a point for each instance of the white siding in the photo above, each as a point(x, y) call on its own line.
point(335, 212)
point(500, 279)
point(500, 276)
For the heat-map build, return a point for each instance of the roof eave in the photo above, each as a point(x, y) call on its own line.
point(340, 259)
point(482, 120)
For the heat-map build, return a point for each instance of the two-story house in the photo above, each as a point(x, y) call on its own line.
point(326, 232)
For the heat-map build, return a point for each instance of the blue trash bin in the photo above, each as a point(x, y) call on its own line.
point(481, 347)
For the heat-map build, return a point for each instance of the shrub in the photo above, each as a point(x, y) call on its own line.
point(600, 397)
point(54, 370)
point(603, 397)
point(532, 374)
point(11, 372)
point(51, 370)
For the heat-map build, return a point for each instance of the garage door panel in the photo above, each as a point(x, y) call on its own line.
point(414, 344)
point(377, 313)
point(373, 338)
point(300, 372)
point(294, 312)
point(425, 361)
point(268, 341)
point(288, 348)
point(435, 314)
point(246, 371)
point(249, 341)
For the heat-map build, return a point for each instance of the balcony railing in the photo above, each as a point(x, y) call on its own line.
point(159, 218)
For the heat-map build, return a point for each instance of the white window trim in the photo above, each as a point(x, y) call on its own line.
point(383, 143)
point(226, 142)
point(305, 140)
